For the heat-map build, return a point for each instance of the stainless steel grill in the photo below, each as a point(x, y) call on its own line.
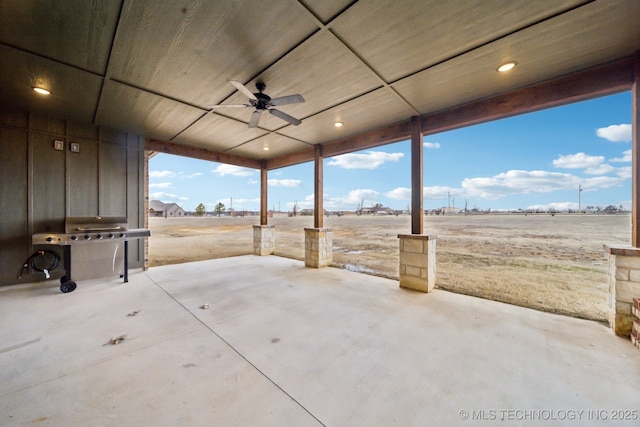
point(98, 242)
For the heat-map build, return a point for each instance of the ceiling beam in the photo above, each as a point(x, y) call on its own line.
point(200, 153)
point(369, 139)
point(600, 81)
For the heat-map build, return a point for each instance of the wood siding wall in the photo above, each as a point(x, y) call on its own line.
point(40, 186)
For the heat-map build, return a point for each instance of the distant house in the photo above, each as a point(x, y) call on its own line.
point(164, 210)
point(375, 210)
point(310, 212)
point(383, 210)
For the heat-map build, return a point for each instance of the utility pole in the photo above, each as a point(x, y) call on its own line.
point(449, 201)
point(580, 198)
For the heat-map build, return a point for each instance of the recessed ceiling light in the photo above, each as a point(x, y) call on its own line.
point(265, 146)
point(42, 91)
point(507, 66)
point(338, 124)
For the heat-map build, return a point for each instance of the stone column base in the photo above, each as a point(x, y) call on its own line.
point(318, 244)
point(417, 261)
point(264, 240)
point(624, 286)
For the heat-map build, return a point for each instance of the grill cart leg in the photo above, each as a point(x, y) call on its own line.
point(66, 284)
point(126, 261)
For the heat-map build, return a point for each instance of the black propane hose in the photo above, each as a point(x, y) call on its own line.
point(42, 261)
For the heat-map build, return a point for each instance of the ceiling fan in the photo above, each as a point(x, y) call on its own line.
point(263, 102)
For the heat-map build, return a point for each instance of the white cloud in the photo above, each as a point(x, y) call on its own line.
point(578, 161)
point(439, 192)
point(193, 175)
point(362, 195)
point(400, 193)
point(558, 206)
point(592, 165)
point(528, 182)
point(626, 157)
point(285, 182)
point(602, 169)
point(435, 145)
point(161, 174)
point(233, 170)
point(348, 202)
point(433, 192)
point(368, 160)
point(624, 173)
point(160, 185)
point(238, 203)
point(518, 182)
point(166, 197)
point(602, 182)
point(615, 133)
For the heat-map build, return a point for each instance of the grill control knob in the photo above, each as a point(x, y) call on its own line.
point(49, 239)
point(87, 237)
point(74, 238)
point(111, 236)
point(122, 235)
point(98, 236)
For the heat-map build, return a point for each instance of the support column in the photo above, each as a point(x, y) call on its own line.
point(318, 241)
point(264, 236)
point(318, 188)
point(417, 262)
point(624, 287)
point(264, 240)
point(318, 244)
point(635, 155)
point(417, 177)
point(417, 250)
point(145, 241)
point(264, 182)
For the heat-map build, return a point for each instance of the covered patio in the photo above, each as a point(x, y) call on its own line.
point(282, 344)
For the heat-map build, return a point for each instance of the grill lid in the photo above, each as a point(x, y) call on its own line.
point(83, 224)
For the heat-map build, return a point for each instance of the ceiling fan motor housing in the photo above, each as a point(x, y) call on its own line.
point(263, 101)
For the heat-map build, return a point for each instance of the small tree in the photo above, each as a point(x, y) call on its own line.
point(200, 210)
point(219, 208)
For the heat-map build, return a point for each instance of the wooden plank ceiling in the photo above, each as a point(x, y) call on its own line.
point(155, 67)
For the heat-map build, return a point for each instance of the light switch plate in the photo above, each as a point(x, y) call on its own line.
point(75, 147)
point(58, 145)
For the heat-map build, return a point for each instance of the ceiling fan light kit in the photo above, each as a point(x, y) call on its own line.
point(262, 102)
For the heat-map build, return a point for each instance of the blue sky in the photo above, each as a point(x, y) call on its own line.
point(536, 160)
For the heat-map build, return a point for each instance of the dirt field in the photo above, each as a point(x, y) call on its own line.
point(552, 263)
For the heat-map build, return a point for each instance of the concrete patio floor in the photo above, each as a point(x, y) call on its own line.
point(285, 345)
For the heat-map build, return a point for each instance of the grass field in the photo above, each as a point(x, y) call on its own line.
point(551, 263)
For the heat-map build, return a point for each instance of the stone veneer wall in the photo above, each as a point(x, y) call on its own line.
point(264, 240)
point(417, 261)
point(624, 286)
point(318, 244)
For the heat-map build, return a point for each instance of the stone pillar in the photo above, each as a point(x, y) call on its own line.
point(264, 239)
point(417, 261)
point(318, 244)
point(624, 286)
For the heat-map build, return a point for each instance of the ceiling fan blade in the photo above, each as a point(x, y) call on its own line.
point(283, 100)
point(229, 105)
point(285, 117)
point(255, 118)
point(243, 89)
